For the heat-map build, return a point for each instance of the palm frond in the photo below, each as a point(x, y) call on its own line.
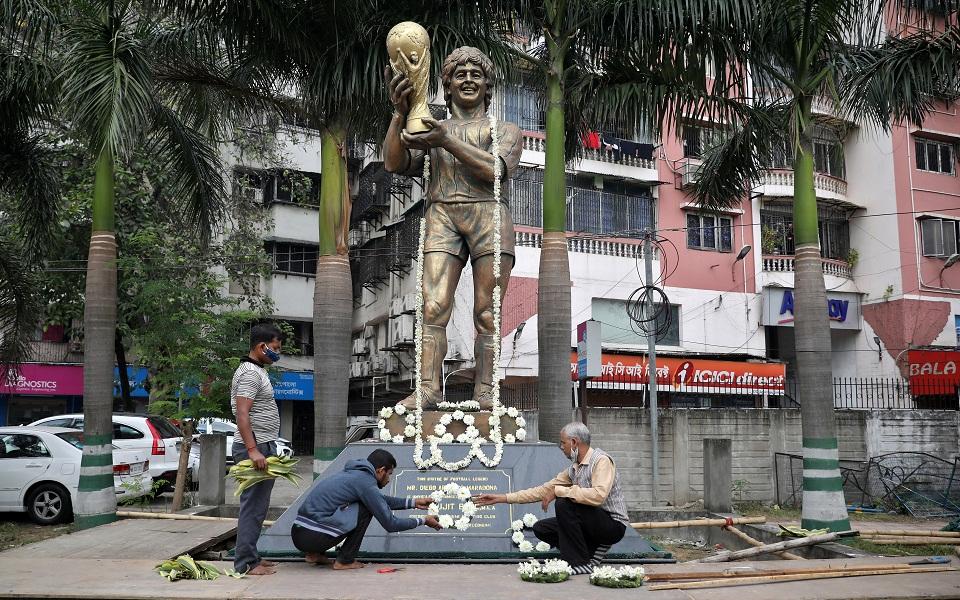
point(195, 178)
point(29, 179)
point(901, 79)
point(107, 84)
point(19, 307)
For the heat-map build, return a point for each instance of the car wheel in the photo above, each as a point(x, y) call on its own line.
point(49, 503)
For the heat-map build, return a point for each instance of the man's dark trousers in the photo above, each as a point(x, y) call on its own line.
point(578, 530)
point(254, 502)
point(315, 542)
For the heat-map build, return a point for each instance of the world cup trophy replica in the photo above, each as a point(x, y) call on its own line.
point(408, 45)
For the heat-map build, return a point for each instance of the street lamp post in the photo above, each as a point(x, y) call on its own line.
point(444, 390)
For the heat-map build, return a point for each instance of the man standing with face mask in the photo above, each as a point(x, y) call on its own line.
point(591, 510)
point(258, 423)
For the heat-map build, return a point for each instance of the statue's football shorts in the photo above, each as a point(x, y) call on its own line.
point(465, 229)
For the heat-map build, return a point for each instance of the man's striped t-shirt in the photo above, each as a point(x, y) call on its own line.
point(251, 381)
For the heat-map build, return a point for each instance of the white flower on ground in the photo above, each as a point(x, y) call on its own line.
point(521, 422)
point(433, 509)
point(468, 509)
point(512, 412)
point(529, 520)
point(439, 430)
point(543, 547)
point(399, 409)
point(521, 434)
point(447, 438)
point(509, 439)
point(382, 424)
point(398, 439)
point(463, 523)
point(517, 525)
point(409, 431)
point(446, 521)
point(446, 419)
point(468, 419)
point(386, 412)
point(410, 418)
point(526, 546)
point(517, 537)
point(457, 415)
point(384, 435)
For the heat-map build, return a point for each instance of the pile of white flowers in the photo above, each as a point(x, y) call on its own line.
point(467, 508)
point(613, 577)
point(552, 570)
point(520, 540)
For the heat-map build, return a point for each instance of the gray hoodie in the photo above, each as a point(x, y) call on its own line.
point(332, 506)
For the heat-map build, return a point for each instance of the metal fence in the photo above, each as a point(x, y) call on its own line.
point(920, 484)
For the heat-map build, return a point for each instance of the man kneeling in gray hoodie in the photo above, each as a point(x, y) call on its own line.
point(339, 508)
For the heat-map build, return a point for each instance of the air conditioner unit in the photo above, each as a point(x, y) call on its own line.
point(410, 303)
point(377, 364)
point(354, 370)
point(690, 172)
point(396, 307)
point(390, 364)
point(364, 368)
point(401, 330)
point(359, 346)
point(368, 332)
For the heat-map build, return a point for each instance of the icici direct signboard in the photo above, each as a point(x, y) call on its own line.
point(42, 380)
point(682, 373)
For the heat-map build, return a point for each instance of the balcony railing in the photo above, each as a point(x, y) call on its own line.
point(784, 264)
point(585, 245)
point(821, 182)
point(588, 210)
point(536, 142)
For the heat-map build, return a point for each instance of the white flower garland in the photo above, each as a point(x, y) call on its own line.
point(476, 450)
point(518, 539)
point(467, 508)
point(471, 435)
point(551, 570)
point(613, 577)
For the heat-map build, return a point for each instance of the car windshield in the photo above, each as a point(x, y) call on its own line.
point(74, 438)
point(164, 427)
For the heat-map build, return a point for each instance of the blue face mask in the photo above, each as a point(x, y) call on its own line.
point(270, 353)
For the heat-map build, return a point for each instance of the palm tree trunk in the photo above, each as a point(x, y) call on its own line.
point(823, 501)
point(96, 499)
point(553, 302)
point(332, 307)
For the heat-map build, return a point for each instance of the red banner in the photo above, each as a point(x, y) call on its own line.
point(681, 373)
point(929, 368)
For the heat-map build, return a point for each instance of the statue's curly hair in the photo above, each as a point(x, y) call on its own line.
point(462, 56)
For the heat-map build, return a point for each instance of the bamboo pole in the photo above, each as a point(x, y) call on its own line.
point(755, 542)
point(753, 572)
point(795, 543)
point(914, 541)
point(909, 532)
point(132, 514)
point(698, 523)
point(733, 581)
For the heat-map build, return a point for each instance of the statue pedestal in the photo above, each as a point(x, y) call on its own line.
point(488, 539)
point(431, 418)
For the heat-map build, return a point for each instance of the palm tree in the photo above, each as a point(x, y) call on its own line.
point(603, 62)
point(799, 51)
point(28, 171)
point(132, 76)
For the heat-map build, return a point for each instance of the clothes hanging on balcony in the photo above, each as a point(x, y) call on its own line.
point(591, 140)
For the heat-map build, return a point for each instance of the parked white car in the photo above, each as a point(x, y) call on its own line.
point(40, 472)
point(229, 429)
point(156, 436)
